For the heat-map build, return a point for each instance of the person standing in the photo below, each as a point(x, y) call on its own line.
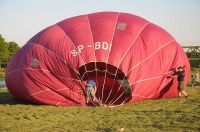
point(197, 79)
point(90, 90)
point(180, 76)
point(193, 80)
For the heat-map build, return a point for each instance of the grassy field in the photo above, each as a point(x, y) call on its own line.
point(176, 114)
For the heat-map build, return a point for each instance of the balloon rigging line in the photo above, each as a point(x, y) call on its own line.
point(58, 103)
point(41, 70)
point(33, 94)
point(140, 96)
point(67, 78)
point(97, 70)
point(131, 88)
point(69, 89)
point(161, 88)
point(51, 72)
point(109, 52)
point(145, 60)
point(75, 47)
point(37, 93)
point(51, 52)
point(96, 77)
point(132, 68)
point(55, 55)
point(111, 103)
point(155, 93)
point(138, 82)
point(146, 80)
point(126, 54)
point(94, 48)
point(95, 56)
point(132, 44)
point(27, 69)
point(55, 75)
point(127, 99)
point(118, 98)
point(149, 56)
point(65, 85)
point(165, 85)
point(149, 78)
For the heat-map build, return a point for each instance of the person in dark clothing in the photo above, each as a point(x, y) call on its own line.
point(180, 76)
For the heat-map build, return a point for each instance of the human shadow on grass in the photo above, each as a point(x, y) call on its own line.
point(5, 98)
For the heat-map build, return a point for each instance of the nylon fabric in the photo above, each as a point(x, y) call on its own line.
point(128, 57)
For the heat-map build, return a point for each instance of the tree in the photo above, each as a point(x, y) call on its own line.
point(13, 47)
point(7, 50)
point(3, 45)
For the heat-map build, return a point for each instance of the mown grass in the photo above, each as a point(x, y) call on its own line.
point(176, 114)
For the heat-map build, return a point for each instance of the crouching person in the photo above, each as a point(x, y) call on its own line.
point(90, 90)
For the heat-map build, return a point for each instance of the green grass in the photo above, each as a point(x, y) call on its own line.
point(176, 114)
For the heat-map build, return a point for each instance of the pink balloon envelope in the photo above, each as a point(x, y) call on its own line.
point(128, 57)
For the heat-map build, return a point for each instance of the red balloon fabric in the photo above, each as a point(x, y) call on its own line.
point(128, 57)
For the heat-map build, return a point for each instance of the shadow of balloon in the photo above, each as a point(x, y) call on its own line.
point(5, 98)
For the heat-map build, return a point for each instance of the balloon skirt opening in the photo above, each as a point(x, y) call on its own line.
point(112, 85)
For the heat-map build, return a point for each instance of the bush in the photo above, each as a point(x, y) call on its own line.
point(194, 62)
point(2, 74)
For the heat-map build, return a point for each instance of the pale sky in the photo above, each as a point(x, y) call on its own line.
point(22, 19)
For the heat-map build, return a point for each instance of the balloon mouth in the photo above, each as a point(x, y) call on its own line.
point(112, 85)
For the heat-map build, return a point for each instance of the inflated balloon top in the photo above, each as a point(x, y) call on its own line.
point(127, 57)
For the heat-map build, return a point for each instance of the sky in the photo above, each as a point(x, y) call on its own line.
point(22, 19)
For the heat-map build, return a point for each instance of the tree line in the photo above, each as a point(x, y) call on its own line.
point(7, 50)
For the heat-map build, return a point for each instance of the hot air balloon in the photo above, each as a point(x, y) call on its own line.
point(128, 57)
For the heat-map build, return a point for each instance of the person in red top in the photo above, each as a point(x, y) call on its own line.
point(180, 76)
